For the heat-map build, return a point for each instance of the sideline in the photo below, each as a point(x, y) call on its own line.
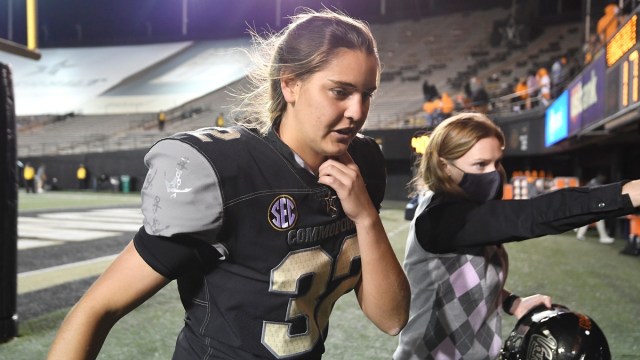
point(398, 230)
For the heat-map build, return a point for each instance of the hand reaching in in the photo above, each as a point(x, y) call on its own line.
point(522, 305)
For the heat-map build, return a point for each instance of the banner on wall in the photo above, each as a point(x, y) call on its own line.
point(587, 96)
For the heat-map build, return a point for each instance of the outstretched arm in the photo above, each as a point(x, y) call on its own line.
point(126, 284)
point(493, 222)
point(383, 292)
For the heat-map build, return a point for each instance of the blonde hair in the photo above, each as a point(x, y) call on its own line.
point(449, 141)
point(299, 50)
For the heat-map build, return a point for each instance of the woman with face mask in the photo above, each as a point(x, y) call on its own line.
point(455, 261)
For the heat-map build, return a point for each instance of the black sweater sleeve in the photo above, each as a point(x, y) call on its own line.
point(450, 224)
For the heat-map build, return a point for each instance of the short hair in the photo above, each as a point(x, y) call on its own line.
point(449, 141)
point(301, 49)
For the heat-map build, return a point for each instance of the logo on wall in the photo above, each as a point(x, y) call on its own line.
point(282, 213)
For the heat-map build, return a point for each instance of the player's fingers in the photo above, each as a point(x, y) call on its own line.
point(340, 171)
point(336, 179)
point(539, 299)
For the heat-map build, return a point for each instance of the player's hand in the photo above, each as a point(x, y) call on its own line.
point(343, 176)
point(522, 305)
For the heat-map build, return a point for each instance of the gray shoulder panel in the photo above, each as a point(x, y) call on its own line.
point(181, 193)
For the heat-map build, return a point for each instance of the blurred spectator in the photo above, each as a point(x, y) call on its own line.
point(478, 95)
point(545, 86)
point(429, 107)
point(220, 120)
point(429, 91)
point(461, 102)
point(439, 108)
point(81, 175)
point(433, 110)
point(162, 119)
point(532, 88)
point(558, 75)
point(29, 175)
point(608, 23)
point(522, 94)
point(447, 105)
point(590, 48)
point(41, 178)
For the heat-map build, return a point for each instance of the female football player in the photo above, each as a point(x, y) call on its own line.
point(264, 225)
point(455, 261)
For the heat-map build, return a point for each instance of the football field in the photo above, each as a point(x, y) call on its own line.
point(67, 239)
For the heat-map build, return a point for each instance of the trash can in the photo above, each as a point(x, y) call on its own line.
point(125, 182)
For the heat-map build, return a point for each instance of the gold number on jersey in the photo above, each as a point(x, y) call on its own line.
point(284, 279)
point(217, 132)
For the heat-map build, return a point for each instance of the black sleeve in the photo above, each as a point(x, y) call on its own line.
point(449, 226)
point(170, 257)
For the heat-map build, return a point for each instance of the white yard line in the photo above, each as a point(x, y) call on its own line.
point(56, 275)
point(398, 230)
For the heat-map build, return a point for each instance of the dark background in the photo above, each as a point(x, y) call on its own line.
point(72, 23)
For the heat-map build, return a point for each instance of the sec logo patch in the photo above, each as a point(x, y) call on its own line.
point(283, 213)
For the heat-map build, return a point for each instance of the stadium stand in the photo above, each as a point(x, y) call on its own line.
point(555, 41)
point(188, 81)
point(412, 51)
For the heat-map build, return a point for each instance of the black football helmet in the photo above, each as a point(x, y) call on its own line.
point(555, 334)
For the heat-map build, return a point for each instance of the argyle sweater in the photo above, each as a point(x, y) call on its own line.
point(455, 302)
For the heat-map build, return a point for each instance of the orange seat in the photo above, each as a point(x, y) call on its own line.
point(634, 225)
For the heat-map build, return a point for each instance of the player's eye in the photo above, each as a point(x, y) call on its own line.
point(480, 165)
point(340, 93)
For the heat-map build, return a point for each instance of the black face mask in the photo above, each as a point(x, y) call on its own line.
point(481, 187)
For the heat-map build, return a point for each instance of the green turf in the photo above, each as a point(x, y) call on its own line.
point(148, 333)
point(584, 275)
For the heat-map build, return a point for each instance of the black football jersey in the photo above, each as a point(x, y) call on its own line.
point(284, 249)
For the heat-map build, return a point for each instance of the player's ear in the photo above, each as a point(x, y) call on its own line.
point(444, 166)
point(290, 87)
